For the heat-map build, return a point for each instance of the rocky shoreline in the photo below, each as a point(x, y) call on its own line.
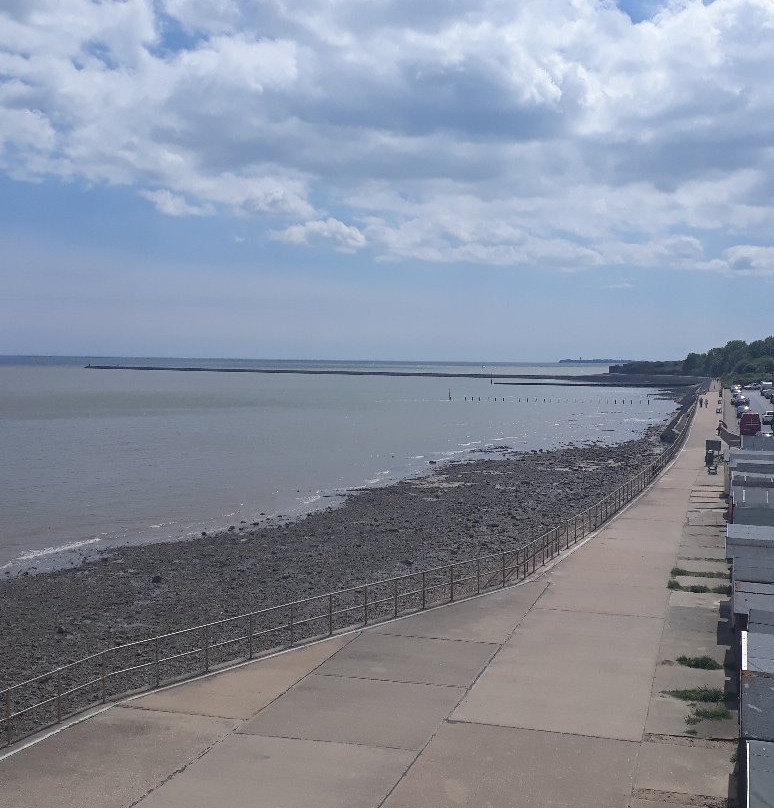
point(458, 511)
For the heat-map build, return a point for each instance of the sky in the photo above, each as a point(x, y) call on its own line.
point(385, 179)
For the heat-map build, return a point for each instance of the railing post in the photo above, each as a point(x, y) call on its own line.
point(478, 575)
point(395, 597)
point(156, 660)
point(58, 696)
point(424, 592)
point(206, 648)
point(503, 558)
point(330, 615)
point(250, 633)
point(451, 583)
point(365, 605)
point(103, 676)
point(291, 625)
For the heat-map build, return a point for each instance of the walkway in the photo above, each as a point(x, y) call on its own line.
point(551, 693)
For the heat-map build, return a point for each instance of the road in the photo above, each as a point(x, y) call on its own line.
point(758, 404)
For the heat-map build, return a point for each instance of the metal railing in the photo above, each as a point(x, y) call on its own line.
point(48, 699)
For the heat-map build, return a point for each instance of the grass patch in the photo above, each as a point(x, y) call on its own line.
point(706, 663)
point(716, 713)
point(692, 574)
point(718, 590)
point(691, 731)
point(708, 695)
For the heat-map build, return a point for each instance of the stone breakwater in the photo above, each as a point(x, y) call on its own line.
point(459, 511)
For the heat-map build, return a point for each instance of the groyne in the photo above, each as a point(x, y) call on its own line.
point(580, 380)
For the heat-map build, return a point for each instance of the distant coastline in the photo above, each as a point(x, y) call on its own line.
point(594, 361)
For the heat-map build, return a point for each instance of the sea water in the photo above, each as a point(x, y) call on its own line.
point(93, 458)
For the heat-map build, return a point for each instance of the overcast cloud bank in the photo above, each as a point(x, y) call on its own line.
point(554, 133)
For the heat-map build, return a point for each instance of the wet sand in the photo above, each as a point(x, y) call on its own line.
point(455, 512)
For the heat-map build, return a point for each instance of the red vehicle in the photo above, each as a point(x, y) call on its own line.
point(750, 423)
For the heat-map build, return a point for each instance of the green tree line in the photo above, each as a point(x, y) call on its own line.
point(744, 361)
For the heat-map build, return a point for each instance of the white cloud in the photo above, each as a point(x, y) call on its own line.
point(173, 205)
point(545, 133)
point(344, 237)
point(745, 259)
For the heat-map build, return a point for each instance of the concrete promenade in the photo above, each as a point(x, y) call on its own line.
point(551, 693)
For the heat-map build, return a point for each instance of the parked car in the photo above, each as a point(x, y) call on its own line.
point(768, 417)
point(750, 423)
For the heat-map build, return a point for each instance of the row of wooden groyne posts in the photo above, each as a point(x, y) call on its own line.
point(116, 672)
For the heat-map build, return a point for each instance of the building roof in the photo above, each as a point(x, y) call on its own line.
point(760, 774)
point(756, 710)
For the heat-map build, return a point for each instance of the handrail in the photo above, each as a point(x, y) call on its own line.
point(295, 621)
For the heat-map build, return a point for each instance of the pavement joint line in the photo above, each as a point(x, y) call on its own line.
point(178, 712)
point(604, 614)
point(242, 735)
point(389, 681)
point(544, 731)
point(466, 692)
point(444, 639)
point(182, 768)
point(687, 740)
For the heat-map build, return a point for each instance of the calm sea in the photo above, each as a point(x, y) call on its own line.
point(92, 458)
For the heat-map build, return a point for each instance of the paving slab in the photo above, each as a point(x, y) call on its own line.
point(681, 677)
point(489, 618)
point(703, 531)
point(397, 658)
point(633, 524)
point(246, 771)
point(109, 761)
point(496, 767)
point(609, 597)
point(692, 631)
point(241, 693)
point(681, 769)
point(611, 659)
point(707, 519)
point(664, 498)
point(358, 711)
point(701, 547)
point(667, 716)
point(623, 564)
point(689, 550)
point(697, 600)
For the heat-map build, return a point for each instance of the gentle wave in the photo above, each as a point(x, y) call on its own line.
point(62, 548)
